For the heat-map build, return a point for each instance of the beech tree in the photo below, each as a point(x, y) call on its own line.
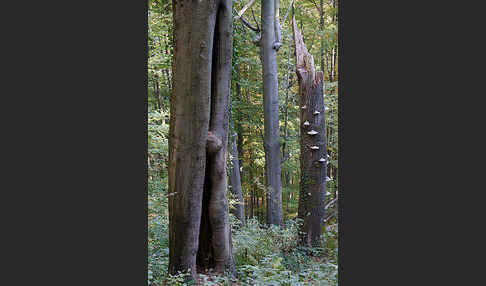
point(268, 39)
point(313, 150)
point(273, 164)
point(199, 232)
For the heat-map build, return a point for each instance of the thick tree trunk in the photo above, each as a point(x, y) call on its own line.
point(235, 182)
point(273, 165)
point(198, 220)
point(313, 157)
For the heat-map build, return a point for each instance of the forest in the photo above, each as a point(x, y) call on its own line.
point(243, 142)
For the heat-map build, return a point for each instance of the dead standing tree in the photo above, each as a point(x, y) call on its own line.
point(199, 231)
point(313, 155)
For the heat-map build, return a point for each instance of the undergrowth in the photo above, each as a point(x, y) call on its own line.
point(263, 255)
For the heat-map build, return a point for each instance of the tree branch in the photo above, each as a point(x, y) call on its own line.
point(287, 13)
point(254, 18)
point(247, 24)
point(330, 203)
point(242, 11)
point(315, 4)
point(328, 217)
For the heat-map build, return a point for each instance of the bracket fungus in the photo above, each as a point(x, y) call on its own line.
point(314, 147)
point(322, 160)
point(304, 107)
point(312, 132)
point(316, 112)
point(306, 123)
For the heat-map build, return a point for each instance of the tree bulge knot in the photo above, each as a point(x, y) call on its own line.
point(214, 144)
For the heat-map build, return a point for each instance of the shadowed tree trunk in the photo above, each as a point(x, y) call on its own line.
point(313, 157)
point(199, 231)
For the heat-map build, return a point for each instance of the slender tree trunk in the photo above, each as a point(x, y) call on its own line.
point(270, 103)
point(239, 128)
point(157, 104)
point(235, 181)
point(321, 27)
point(157, 93)
point(287, 89)
point(199, 230)
point(312, 144)
point(252, 186)
point(334, 50)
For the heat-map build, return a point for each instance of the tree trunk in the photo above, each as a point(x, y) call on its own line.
point(235, 181)
point(270, 103)
point(251, 181)
point(239, 128)
point(198, 220)
point(321, 27)
point(312, 144)
point(157, 93)
point(157, 105)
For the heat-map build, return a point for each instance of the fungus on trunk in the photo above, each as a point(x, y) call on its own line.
point(312, 183)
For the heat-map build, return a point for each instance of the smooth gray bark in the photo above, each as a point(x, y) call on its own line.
point(273, 164)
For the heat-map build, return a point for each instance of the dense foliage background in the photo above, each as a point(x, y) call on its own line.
point(263, 256)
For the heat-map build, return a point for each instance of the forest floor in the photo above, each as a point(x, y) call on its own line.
point(263, 255)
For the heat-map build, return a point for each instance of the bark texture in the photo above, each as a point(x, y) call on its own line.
point(198, 209)
point(313, 155)
point(273, 166)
